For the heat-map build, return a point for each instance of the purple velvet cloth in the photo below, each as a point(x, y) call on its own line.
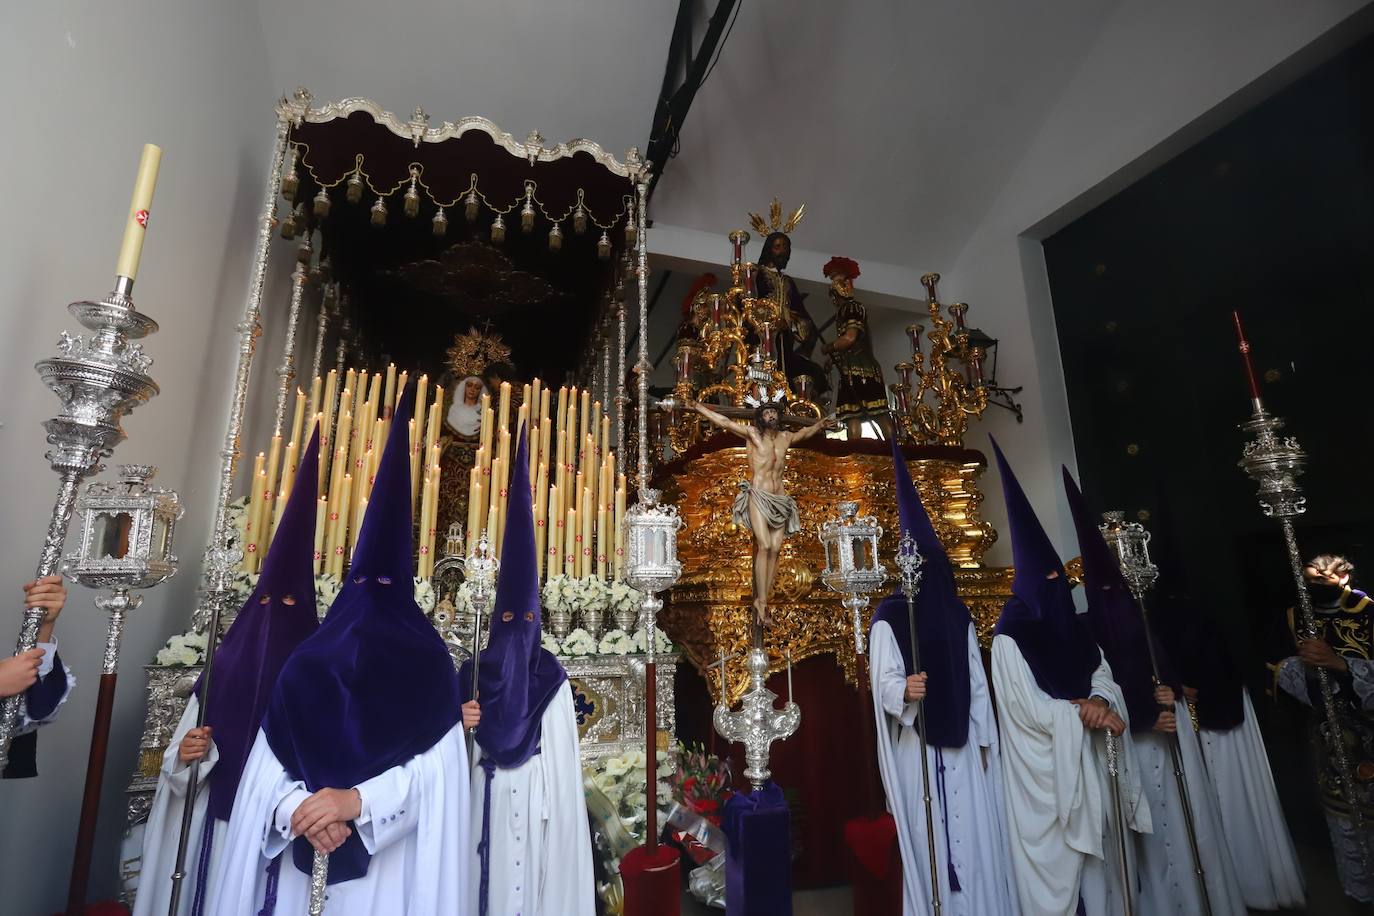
point(375, 686)
point(1113, 616)
point(263, 635)
point(1049, 632)
point(942, 620)
point(758, 853)
point(39, 700)
point(517, 678)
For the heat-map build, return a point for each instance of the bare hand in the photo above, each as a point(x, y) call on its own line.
point(329, 837)
point(1164, 695)
point(18, 673)
point(472, 714)
point(48, 593)
point(1167, 723)
point(1096, 714)
point(916, 687)
point(195, 745)
point(325, 807)
point(1318, 654)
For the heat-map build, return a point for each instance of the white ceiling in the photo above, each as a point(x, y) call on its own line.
point(569, 69)
point(896, 122)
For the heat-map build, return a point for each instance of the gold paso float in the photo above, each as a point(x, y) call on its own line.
point(723, 350)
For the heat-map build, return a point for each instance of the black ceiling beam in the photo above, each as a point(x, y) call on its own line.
point(676, 98)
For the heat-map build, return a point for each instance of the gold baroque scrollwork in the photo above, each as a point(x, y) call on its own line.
point(709, 611)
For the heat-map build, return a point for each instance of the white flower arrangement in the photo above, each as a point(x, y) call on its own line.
point(616, 642)
point(623, 598)
point(550, 644)
point(621, 779)
point(661, 641)
point(424, 594)
point(591, 594)
point(579, 642)
point(184, 650)
point(560, 593)
point(327, 586)
point(462, 600)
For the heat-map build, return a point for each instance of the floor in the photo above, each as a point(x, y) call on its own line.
point(1324, 897)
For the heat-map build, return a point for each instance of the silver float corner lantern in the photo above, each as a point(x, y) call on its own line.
point(852, 567)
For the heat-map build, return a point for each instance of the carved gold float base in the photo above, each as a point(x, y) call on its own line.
point(709, 611)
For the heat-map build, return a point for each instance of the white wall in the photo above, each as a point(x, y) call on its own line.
point(84, 85)
point(1157, 78)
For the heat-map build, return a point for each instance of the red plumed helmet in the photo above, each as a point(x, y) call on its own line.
point(705, 281)
point(845, 267)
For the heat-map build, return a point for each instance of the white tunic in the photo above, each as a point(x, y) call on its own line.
point(1168, 884)
point(1252, 821)
point(541, 851)
point(162, 832)
point(413, 823)
point(1060, 814)
point(971, 808)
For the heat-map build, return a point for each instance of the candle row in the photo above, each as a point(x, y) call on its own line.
point(579, 502)
point(353, 412)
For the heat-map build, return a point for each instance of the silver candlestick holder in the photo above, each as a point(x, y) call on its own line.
point(98, 380)
point(1130, 542)
point(758, 722)
point(479, 571)
point(852, 568)
point(1275, 464)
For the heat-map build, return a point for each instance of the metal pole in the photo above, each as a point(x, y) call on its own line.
point(218, 558)
point(478, 608)
point(118, 604)
point(319, 882)
point(1176, 753)
point(48, 562)
point(1127, 907)
point(925, 762)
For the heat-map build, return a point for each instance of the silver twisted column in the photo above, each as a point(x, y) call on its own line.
point(1274, 465)
point(98, 382)
point(1114, 772)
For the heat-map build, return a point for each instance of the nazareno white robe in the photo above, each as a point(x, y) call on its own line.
point(972, 807)
point(541, 851)
point(163, 829)
point(414, 824)
point(1060, 815)
point(1252, 821)
point(1168, 884)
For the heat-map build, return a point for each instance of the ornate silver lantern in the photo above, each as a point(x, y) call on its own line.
point(651, 544)
point(126, 543)
point(852, 567)
point(1131, 544)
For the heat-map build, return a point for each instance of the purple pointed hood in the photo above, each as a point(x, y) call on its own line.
point(1040, 617)
point(517, 677)
point(1113, 616)
point(276, 618)
point(942, 620)
point(375, 686)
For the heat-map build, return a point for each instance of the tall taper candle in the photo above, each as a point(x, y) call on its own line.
point(570, 539)
point(541, 521)
point(136, 227)
point(389, 397)
point(321, 515)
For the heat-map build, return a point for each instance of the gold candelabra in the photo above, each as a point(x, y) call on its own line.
point(941, 389)
point(726, 347)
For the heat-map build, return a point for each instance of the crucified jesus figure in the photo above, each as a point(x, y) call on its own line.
point(761, 505)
